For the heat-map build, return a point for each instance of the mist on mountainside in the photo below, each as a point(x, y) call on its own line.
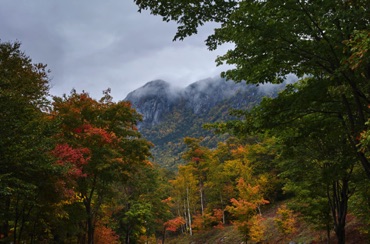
point(171, 113)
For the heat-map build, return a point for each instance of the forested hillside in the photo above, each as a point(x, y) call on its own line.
point(170, 114)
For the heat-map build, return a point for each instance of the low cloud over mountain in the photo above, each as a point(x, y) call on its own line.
point(171, 113)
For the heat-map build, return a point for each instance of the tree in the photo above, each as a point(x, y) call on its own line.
point(313, 155)
point(285, 220)
point(246, 196)
point(246, 208)
point(100, 145)
point(198, 157)
point(142, 210)
point(185, 188)
point(222, 177)
point(27, 176)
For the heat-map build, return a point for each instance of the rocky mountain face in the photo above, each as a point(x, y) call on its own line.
point(154, 100)
point(170, 114)
point(158, 99)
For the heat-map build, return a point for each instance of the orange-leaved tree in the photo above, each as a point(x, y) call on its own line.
point(246, 209)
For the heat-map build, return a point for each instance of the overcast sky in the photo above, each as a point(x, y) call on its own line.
point(93, 45)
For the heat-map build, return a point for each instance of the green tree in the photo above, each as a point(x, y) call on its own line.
point(142, 209)
point(313, 155)
point(27, 176)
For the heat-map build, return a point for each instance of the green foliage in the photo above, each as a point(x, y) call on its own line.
point(141, 209)
point(136, 218)
point(189, 14)
point(27, 175)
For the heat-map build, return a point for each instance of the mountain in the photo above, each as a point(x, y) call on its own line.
point(154, 100)
point(170, 113)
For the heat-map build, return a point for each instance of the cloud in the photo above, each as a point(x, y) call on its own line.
point(93, 45)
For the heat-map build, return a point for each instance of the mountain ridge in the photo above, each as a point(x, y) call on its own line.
point(158, 97)
point(171, 113)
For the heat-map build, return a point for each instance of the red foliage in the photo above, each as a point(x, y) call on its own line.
point(198, 152)
point(98, 134)
point(174, 224)
point(105, 137)
point(195, 159)
point(74, 158)
point(77, 130)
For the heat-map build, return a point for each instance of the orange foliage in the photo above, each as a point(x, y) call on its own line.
point(197, 222)
point(174, 224)
point(168, 201)
point(245, 210)
point(105, 235)
point(208, 220)
point(239, 152)
point(218, 215)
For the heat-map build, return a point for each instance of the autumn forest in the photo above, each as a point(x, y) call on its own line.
point(74, 169)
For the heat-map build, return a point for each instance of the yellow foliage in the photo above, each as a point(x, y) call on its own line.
point(285, 220)
point(257, 228)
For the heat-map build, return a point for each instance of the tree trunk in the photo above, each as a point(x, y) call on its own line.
point(223, 209)
point(186, 217)
point(16, 221)
point(90, 213)
point(164, 235)
point(327, 234)
point(201, 198)
point(341, 234)
point(90, 224)
point(187, 198)
point(339, 205)
point(127, 239)
point(5, 225)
